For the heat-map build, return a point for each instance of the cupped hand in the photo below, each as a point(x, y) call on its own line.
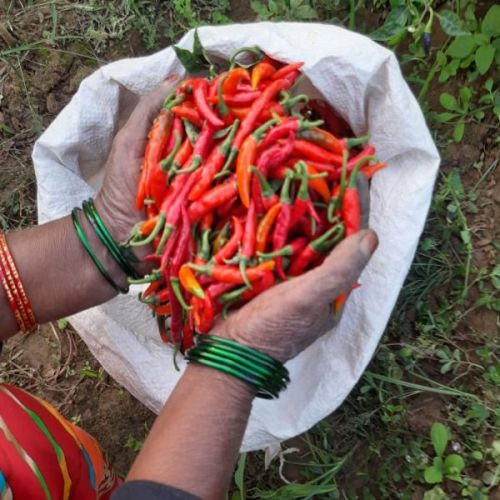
point(116, 199)
point(289, 317)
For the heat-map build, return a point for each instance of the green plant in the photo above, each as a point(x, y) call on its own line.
point(449, 466)
point(134, 443)
point(284, 10)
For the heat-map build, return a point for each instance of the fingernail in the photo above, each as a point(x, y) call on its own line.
point(368, 244)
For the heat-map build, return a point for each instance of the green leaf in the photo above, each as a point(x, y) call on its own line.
point(451, 24)
point(62, 323)
point(444, 76)
point(394, 25)
point(484, 57)
point(458, 131)
point(440, 435)
point(465, 235)
point(432, 475)
point(260, 9)
point(189, 60)
point(465, 95)
point(461, 47)
point(448, 102)
point(491, 21)
point(445, 117)
point(306, 12)
point(453, 465)
point(435, 494)
point(239, 475)
point(495, 277)
point(488, 84)
point(441, 58)
point(195, 61)
point(479, 114)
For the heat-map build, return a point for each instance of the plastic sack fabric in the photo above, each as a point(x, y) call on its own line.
point(363, 81)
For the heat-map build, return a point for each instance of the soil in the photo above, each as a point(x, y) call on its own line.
point(54, 363)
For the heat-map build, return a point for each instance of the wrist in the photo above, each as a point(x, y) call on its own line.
point(119, 226)
point(232, 387)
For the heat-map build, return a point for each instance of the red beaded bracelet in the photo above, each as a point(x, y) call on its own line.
point(14, 290)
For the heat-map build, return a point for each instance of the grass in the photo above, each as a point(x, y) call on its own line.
point(439, 359)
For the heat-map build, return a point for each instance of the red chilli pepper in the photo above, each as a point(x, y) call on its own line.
point(315, 248)
point(310, 151)
point(232, 274)
point(200, 94)
point(285, 70)
point(238, 100)
point(301, 205)
point(282, 226)
point(267, 281)
point(258, 106)
point(188, 113)
point(334, 122)
point(213, 165)
point(369, 150)
point(159, 135)
point(268, 160)
point(284, 128)
point(269, 197)
point(248, 242)
point(182, 155)
point(212, 199)
point(231, 246)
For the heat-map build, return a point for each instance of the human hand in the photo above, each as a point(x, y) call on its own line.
point(287, 318)
point(116, 199)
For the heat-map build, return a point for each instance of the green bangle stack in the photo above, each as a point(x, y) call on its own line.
point(123, 257)
point(263, 372)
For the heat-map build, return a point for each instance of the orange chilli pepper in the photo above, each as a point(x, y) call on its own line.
point(189, 282)
point(148, 225)
point(319, 185)
point(369, 170)
point(260, 72)
point(264, 227)
point(234, 77)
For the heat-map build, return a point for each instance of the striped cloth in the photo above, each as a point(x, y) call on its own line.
point(43, 456)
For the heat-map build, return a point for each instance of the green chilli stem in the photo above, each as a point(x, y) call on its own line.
point(154, 233)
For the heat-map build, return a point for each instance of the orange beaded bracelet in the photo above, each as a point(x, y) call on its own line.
point(14, 290)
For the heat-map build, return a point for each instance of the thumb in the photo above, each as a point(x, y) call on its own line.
point(341, 268)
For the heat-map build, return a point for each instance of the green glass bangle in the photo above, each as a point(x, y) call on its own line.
point(249, 353)
point(268, 375)
point(123, 257)
point(235, 373)
point(263, 372)
point(95, 260)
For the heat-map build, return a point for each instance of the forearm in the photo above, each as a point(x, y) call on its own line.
point(194, 442)
point(58, 275)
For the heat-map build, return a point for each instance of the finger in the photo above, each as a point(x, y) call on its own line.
point(364, 198)
point(341, 268)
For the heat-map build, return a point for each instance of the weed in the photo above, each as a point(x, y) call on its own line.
point(133, 443)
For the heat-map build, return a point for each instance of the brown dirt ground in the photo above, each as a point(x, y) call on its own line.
point(54, 363)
